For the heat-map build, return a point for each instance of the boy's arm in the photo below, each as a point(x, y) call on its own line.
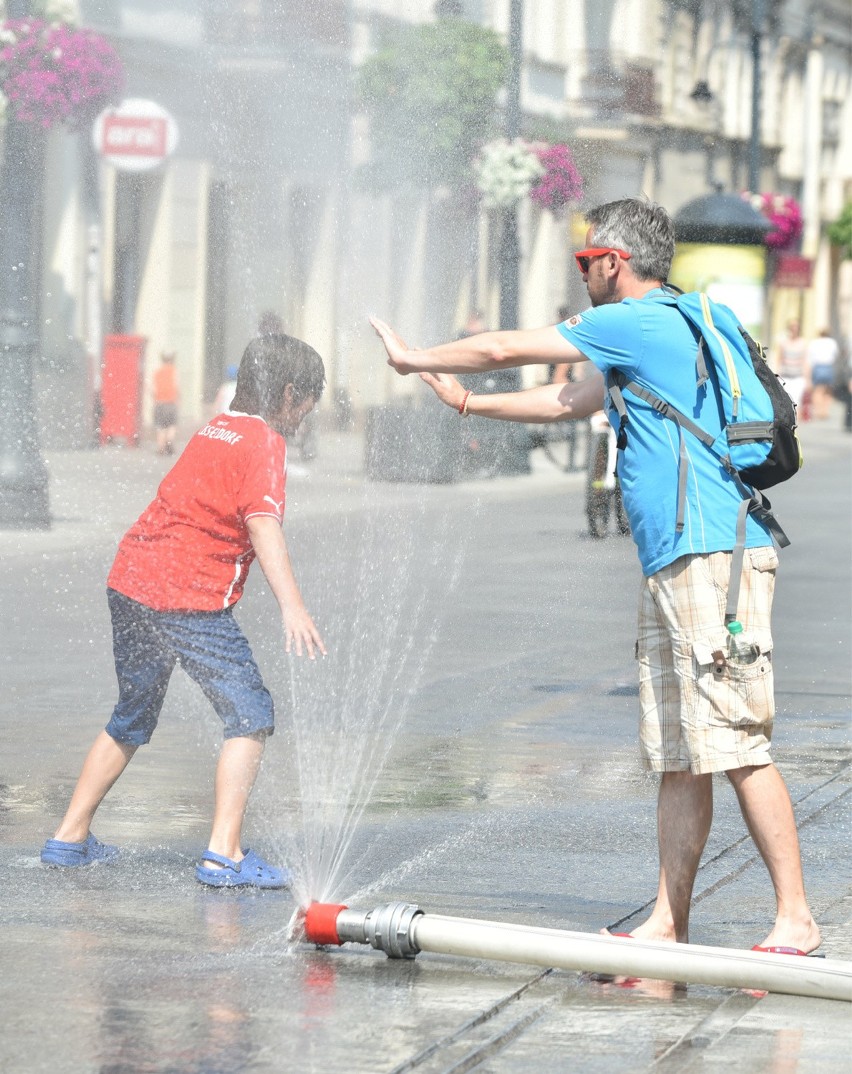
point(547, 403)
point(267, 538)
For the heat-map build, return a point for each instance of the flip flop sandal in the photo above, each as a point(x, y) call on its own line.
point(56, 852)
point(610, 978)
point(787, 951)
point(251, 872)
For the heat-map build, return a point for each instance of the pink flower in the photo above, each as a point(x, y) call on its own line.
point(785, 215)
point(56, 74)
point(561, 183)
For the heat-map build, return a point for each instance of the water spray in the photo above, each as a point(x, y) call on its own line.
point(403, 930)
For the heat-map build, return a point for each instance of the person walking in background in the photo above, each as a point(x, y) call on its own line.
point(844, 380)
point(822, 360)
point(697, 716)
point(227, 390)
point(474, 324)
point(165, 394)
point(177, 575)
point(791, 363)
point(563, 373)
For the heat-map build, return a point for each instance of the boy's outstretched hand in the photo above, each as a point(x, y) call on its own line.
point(395, 346)
point(301, 634)
point(300, 631)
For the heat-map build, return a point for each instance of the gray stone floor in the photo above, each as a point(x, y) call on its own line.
point(482, 647)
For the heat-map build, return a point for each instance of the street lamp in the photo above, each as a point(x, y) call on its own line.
point(509, 246)
point(758, 11)
point(703, 95)
point(23, 474)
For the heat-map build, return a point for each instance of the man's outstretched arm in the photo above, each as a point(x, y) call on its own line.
point(475, 354)
point(547, 403)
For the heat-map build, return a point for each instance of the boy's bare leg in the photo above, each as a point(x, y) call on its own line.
point(768, 812)
point(236, 772)
point(684, 816)
point(105, 762)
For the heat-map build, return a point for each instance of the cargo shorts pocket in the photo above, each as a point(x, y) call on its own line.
point(738, 694)
point(764, 558)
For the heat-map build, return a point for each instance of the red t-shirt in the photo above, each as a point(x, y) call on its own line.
point(190, 549)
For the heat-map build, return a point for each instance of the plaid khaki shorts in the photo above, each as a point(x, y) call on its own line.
point(694, 716)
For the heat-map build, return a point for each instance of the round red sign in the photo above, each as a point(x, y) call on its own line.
point(135, 136)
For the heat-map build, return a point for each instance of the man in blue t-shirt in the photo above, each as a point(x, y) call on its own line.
point(698, 714)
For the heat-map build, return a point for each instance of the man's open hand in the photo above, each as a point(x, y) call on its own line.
point(396, 347)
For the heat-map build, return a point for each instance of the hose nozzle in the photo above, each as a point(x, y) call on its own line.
point(387, 928)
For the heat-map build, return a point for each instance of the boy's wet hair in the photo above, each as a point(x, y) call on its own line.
point(268, 365)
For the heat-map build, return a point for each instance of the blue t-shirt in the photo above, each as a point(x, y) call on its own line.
point(652, 343)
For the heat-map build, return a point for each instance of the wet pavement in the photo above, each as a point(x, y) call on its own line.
point(488, 645)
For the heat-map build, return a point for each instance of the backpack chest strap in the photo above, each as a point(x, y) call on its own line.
point(753, 503)
point(616, 381)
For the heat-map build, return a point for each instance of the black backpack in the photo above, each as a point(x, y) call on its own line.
point(757, 446)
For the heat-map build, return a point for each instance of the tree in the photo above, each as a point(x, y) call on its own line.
point(840, 232)
point(430, 95)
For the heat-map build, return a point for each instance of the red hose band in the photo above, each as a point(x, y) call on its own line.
point(321, 922)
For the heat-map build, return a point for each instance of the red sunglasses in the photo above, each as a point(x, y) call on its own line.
point(584, 257)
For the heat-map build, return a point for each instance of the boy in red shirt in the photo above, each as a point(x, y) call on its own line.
point(177, 574)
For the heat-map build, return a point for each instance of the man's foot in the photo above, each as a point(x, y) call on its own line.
point(801, 936)
point(648, 930)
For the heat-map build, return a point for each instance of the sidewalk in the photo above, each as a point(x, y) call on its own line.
point(475, 633)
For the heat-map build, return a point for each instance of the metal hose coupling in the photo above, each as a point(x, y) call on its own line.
point(387, 928)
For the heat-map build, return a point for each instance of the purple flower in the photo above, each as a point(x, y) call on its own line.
point(785, 216)
point(56, 74)
point(561, 183)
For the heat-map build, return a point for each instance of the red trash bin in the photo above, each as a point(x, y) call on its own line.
point(121, 388)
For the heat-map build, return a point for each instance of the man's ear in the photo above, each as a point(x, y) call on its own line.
point(289, 394)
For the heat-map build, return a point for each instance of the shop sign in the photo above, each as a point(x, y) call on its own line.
point(793, 271)
point(135, 136)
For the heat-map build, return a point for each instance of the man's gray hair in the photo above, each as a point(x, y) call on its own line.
point(641, 228)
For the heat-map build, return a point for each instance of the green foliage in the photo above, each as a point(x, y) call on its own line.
point(840, 232)
point(430, 94)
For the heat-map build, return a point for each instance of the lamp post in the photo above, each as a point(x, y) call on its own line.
point(509, 246)
point(23, 474)
point(758, 11)
point(703, 95)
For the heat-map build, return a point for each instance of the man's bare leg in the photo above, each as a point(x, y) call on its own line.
point(768, 813)
point(684, 816)
point(236, 772)
point(105, 762)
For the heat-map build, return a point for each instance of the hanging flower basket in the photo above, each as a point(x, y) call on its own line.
point(53, 73)
point(505, 172)
point(561, 183)
point(785, 215)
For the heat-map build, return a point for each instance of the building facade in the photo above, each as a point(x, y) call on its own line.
point(259, 207)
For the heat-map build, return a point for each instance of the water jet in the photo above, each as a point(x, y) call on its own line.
point(403, 930)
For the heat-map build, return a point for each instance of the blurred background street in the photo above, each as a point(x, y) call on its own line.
point(177, 176)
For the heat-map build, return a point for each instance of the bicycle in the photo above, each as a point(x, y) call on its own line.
point(603, 491)
point(565, 444)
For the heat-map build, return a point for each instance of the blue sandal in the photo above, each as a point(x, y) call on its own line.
point(251, 872)
point(55, 852)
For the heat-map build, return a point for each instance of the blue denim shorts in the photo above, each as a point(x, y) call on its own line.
point(209, 646)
